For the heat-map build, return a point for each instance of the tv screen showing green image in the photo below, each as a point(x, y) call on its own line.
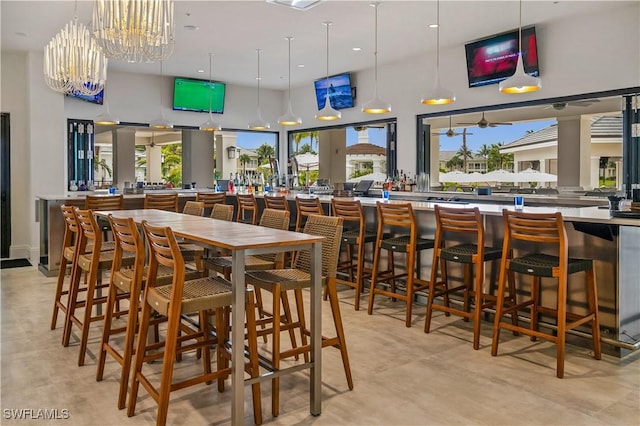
point(194, 95)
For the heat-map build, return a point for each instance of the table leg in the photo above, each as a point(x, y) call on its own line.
point(316, 330)
point(237, 337)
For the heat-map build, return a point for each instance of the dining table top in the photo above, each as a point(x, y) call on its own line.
point(221, 233)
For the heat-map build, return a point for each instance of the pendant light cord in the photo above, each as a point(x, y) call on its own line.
point(289, 39)
point(258, 50)
point(327, 24)
point(520, 33)
point(438, 37)
point(375, 48)
point(210, 88)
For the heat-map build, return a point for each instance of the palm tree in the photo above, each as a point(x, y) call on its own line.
point(244, 159)
point(172, 163)
point(265, 151)
point(298, 137)
point(464, 152)
point(454, 163)
point(484, 152)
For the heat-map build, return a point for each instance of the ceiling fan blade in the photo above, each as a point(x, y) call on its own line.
point(499, 124)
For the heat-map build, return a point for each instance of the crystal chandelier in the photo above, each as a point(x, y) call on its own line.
point(73, 61)
point(135, 30)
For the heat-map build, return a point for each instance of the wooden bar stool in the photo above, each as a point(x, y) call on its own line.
point(537, 231)
point(68, 259)
point(127, 281)
point(460, 238)
point(304, 208)
point(168, 202)
point(399, 217)
point(279, 281)
point(354, 237)
point(247, 205)
point(210, 199)
point(183, 297)
point(93, 261)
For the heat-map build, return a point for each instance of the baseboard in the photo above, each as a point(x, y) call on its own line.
point(22, 252)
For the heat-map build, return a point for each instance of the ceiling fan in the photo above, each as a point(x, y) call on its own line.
point(450, 133)
point(559, 106)
point(484, 123)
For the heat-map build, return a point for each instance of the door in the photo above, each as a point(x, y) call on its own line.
point(5, 183)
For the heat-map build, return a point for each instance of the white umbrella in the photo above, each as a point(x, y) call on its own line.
point(308, 161)
point(500, 176)
point(376, 177)
point(531, 175)
point(454, 176)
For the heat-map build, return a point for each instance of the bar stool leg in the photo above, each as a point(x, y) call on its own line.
point(562, 325)
point(592, 295)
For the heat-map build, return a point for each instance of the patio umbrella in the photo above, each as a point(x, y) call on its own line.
point(307, 162)
point(454, 176)
point(376, 177)
point(501, 176)
point(531, 175)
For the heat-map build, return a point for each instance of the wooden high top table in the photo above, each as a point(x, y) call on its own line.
point(242, 240)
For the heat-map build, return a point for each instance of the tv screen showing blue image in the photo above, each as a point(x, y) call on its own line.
point(98, 98)
point(340, 93)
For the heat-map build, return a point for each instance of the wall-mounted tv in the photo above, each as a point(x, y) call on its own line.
point(193, 95)
point(494, 58)
point(340, 91)
point(98, 98)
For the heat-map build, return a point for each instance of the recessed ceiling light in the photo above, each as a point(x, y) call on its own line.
point(200, 71)
point(190, 28)
point(300, 65)
point(433, 25)
point(356, 49)
point(21, 34)
point(296, 4)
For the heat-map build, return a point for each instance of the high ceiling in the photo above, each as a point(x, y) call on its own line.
point(232, 30)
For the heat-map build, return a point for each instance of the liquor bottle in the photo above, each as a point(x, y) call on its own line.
point(260, 184)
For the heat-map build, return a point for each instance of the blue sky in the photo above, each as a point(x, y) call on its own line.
point(488, 136)
point(491, 135)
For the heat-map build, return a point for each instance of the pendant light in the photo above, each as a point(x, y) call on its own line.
point(376, 105)
point(439, 95)
point(210, 125)
point(520, 82)
point(289, 119)
point(259, 124)
point(328, 113)
point(161, 123)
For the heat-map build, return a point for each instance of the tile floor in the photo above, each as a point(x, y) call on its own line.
point(401, 375)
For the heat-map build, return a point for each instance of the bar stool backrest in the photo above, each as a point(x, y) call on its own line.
point(168, 202)
point(452, 220)
point(89, 233)
point(104, 202)
point(535, 228)
point(211, 198)
point(396, 215)
point(306, 207)
point(164, 250)
point(329, 227)
point(127, 239)
point(276, 202)
point(247, 203)
point(275, 219)
point(71, 226)
point(350, 211)
point(222, 212)
point(194, 208)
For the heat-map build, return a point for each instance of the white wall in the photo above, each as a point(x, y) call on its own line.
point(582, 54)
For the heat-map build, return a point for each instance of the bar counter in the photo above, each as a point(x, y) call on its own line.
point(613, 244)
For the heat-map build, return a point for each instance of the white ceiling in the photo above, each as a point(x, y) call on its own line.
point(232, 30)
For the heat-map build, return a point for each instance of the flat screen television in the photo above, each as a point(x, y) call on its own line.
point(98, 98)
point(494, 58)
point(340, 91)
point(193, 95)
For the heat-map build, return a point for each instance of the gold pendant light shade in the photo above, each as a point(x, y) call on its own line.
point(327, 113)
point(439, 95)
point(289, 118)
point(376, 105)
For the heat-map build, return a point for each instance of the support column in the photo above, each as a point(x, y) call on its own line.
point(197, 158)
point(124, 156)
point(332, 155)
point(574, 152)
point(224, 165)
point(154, 164)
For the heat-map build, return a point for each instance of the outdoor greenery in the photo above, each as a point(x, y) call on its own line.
point(298, 137)
point(172, 163)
